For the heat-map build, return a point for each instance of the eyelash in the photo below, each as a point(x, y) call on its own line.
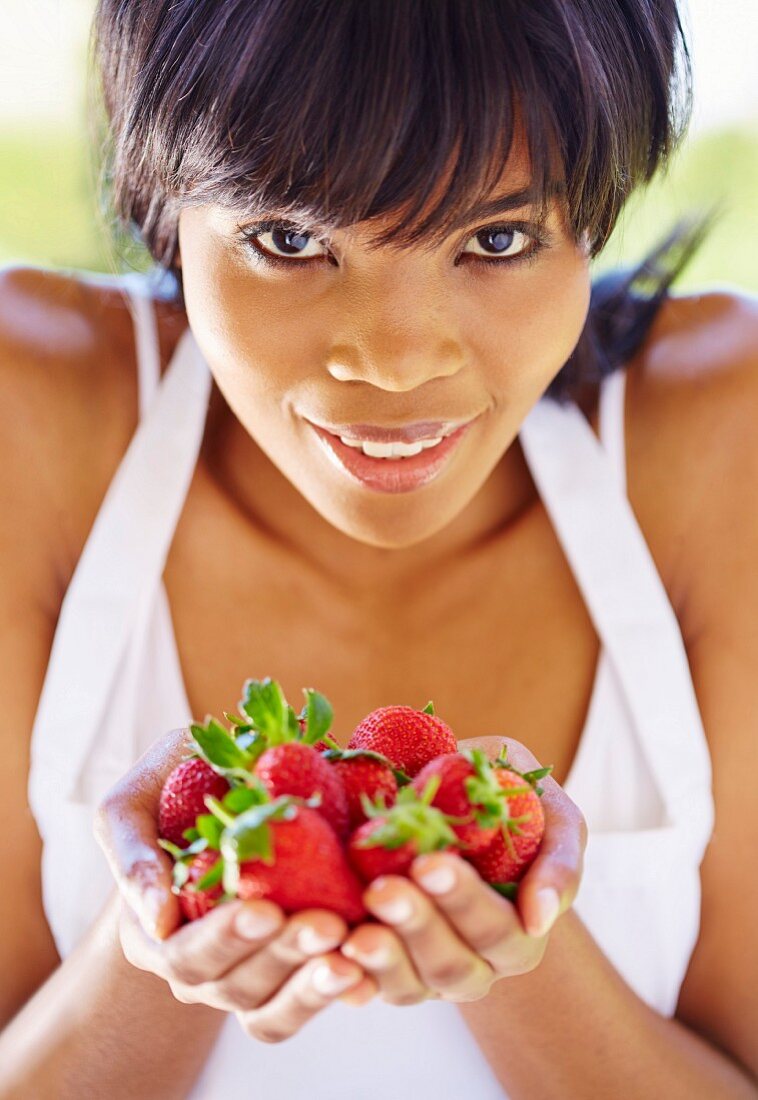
point(539, 240)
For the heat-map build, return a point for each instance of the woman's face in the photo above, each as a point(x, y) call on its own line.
point(337, 335)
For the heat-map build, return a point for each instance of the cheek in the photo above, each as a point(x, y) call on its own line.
point(224, 303)
point(539, 322)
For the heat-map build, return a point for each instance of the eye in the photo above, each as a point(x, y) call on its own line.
point(503, 242)
point(281, 243)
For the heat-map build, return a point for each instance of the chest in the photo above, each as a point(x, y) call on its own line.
point(500, 641)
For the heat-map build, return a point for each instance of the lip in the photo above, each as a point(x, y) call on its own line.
point(406, 433)
point(387, 475)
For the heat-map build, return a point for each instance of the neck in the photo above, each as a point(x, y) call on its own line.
point(267, 499)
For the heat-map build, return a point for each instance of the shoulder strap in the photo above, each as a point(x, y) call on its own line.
point(611, 422)
point(146, 340)
point(123, 558)
point(624, 594)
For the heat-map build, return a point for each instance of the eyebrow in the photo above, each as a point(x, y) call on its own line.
point(501, 204)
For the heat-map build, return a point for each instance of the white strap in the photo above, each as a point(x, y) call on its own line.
point(611, 422)
point(625, 597)
point(146, 340)
point(124, 556)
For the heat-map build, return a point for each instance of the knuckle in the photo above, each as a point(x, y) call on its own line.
point(242, 998)
point(181, 968)
point(451, 974)
point(180, 993)
point(405, 997)
point(265, 1031)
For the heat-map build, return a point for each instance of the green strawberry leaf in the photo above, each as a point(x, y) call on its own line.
point(538, 773)
point(180, 876)
point(318, 716)
point(249, 836)
point(210, 828)
point(242, 798)
point(171, 848)
point(429, 708)
point(242, 724)
point(507, 889)
point(211, 877)
point(264, 702)
point(190, 834)
point(293, 726)
point(217, 746)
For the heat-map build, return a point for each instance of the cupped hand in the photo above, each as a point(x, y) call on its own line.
point(446, 933)
point(242, 956)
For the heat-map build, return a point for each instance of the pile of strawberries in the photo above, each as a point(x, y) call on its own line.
point(274, 808)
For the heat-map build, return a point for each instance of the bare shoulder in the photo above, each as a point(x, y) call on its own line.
point(691, 416)
point(692, 396)
point(68, 379)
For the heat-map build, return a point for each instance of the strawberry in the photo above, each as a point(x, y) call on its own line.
point(390, 840)
point(310, 869)
point(364, 772)
point(181, 798)
point(298, 769)
point(466, 790)
point(407, 737)
point(280, 849)
point(195, 902)
point(517, 841)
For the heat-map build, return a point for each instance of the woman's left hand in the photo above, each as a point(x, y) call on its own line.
point(445, 932)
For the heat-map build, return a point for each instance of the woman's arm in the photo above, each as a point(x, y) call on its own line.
point(573, 1028)
point(101, 1027)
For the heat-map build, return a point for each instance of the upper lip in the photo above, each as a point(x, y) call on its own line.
point(407, 433)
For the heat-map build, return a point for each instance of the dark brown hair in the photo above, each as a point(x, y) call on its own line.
point(340, 111)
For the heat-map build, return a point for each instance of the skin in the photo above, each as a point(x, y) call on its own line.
point(256, 491)
point(441, 339)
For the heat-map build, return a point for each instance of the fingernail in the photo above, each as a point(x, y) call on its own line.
point(252, 924)
point(546, 903)
point(438, 880)
point(151, 906)
point(312, 942)
point(327, 981)
point(395, 910)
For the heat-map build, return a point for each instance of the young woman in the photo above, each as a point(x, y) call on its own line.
point(373, 223)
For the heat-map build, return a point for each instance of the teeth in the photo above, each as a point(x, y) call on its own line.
point(391, 450)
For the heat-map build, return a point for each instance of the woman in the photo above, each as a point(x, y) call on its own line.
point(373, 222)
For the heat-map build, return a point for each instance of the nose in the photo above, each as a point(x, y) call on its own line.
point(397, 349)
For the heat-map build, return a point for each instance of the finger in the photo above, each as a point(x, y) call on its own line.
point(381, 953)
point(126, 828)
point(310, 989)
point(485, 920)
point(205, 949)
point(256, 979)
point(361, 994)
point(443, 960)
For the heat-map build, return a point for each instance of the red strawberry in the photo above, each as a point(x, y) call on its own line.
point(181, 798)
point(309, 869)
point(466, 791)
point(407, 737)
point(518, 840)
point(388, 843)
point(363, 772)
point(195, 903)
point(298, 769)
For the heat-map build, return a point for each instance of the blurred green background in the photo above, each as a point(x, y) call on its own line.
point(50, 213)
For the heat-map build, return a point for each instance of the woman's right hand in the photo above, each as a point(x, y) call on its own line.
point(244, 957)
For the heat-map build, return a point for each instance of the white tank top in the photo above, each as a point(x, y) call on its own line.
point(641, 775)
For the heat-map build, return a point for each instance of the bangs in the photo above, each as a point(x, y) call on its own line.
point(332, 113)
